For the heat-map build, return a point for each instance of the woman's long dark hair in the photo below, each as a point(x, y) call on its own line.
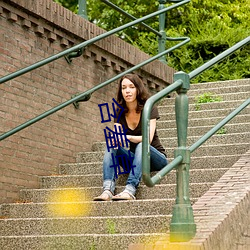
point(142, 93)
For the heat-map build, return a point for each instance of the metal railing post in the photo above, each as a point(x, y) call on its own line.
point(163, 37)
point(82, 9)
point(182, 227)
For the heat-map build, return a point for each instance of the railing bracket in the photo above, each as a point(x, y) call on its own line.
point(73, 54)
point(83, 99)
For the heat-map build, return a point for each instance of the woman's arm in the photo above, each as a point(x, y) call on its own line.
point(138, 139)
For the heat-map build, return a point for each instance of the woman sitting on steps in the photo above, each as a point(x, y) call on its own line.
point(132, 96)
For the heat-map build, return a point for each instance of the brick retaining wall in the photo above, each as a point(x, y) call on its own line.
point(29, 32)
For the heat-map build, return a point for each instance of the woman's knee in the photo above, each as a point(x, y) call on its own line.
point(138, 147)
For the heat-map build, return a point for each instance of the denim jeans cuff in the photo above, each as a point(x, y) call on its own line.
point(109, 185)
point(131, 189)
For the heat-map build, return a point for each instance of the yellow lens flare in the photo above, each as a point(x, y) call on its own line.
point(68, 203)
point(163, 243)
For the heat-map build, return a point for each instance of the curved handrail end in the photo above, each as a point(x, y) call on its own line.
point(147, 180)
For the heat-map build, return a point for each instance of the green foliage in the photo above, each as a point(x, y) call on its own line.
point(222, 131)
point(213, 27)
point(111, 226)
point(69, 4)
point(206, 98)
point(92, 247)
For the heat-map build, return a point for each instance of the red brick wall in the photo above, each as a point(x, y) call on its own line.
point(29, 32)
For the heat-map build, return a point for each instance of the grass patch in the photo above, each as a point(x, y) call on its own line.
point(222, 131)
point(206, 98)
point(111, 226)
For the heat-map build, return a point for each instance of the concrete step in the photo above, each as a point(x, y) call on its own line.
point(85, 225)
point(93, 180)
point(219, 84)
point(87, 193)
point(218, 90)
point(89, 208)
point(215, 139)
point(196, 114)
point(222, 161)
point(194, 96)
point(218, 150)
point(208, 150)
point(215, 88)
point(204, 121)
point(223, 96)
point(204, 106)
point(171, 142)
point(77, 242)
point(201, 130)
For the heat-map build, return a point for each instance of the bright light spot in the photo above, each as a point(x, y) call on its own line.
point(68, 203)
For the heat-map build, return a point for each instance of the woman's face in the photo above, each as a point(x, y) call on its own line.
point(129, 91)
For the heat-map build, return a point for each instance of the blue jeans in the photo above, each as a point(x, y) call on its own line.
point(157, 160)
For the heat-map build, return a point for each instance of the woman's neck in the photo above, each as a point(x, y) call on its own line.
point(132, 107)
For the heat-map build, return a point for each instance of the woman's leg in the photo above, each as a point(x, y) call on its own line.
point(108, 172)
point(111, 167)
point(157, 159)
point(134, 177)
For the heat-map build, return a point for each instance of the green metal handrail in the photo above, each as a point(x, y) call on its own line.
point(211, 132)
point(157, 97)
point(182, 227)
point(115, 7)
point(162, 37)
point(86, 95)
point(82, 45)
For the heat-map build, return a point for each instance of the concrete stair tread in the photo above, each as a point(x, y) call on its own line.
point(215, 135)
point(85, 218)
point(205, 106)
point(219, 84)
point(235, 131)
point(84, 164)
point(203, 87)
point(220, 149)
point(214, 140)
point(211, 126)
point(226, 136)
point(214, 118)
point(76, 241)
point(197, 162)
point(78, 235)
point(215, 91)
point(195, 114)
point(196, 176)
point(87, 193)
point(225, 96)
point(219, 91)
point(89, 208)
point(98, 175)
point(142, 185)
point(84, 225)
